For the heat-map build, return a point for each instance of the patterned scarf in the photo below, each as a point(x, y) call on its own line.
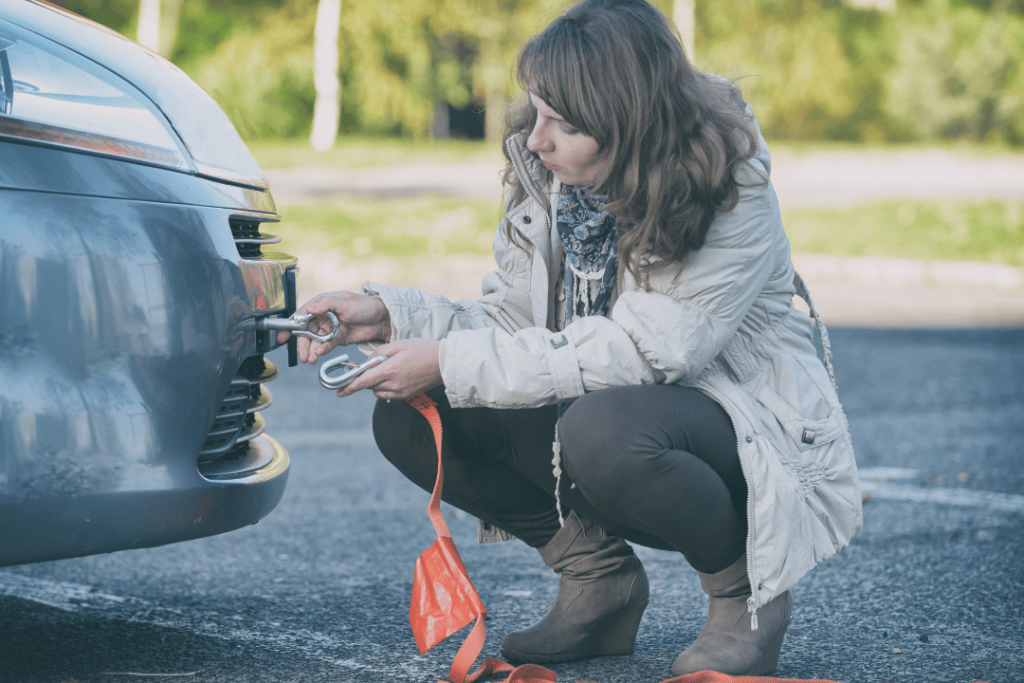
point(587, 232)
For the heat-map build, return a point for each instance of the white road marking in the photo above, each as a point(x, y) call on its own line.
point(883, 473)
point(69, 597)
point(148, 675)
point(73, 597)
point(1005, 502)
point(877, 481)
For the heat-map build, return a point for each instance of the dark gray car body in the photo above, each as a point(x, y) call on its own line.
point(132, 381)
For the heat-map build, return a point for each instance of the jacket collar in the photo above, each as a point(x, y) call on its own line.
point(536, 179)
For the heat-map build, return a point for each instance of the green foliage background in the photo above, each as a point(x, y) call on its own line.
point(813, 69)
point(823, 70)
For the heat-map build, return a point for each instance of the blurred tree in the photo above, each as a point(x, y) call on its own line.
point(959, 72)
point(261, 71)
point(502, 28)
point(404, 61)
point(116, 14)
point(204, 24)
point(812, 69)
point(170, 15)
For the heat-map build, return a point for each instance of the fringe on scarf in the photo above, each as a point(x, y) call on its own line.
point(582, 296)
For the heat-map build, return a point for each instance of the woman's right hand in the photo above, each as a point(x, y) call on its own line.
point(363, 318)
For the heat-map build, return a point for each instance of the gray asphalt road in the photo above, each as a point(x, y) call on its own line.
point(319, 591)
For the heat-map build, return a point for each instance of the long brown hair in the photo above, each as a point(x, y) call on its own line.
point(615, 70)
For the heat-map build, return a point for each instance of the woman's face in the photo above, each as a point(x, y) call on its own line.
point(570, 154)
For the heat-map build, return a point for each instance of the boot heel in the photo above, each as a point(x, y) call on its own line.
point(615, 634)
point(769, 661)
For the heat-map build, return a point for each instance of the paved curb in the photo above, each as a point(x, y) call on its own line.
point(907, 272)
point(815, 179)
point(890, 292)
point(860, 292)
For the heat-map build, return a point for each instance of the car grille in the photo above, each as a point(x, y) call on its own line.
point(239, 420)
point(249, 239)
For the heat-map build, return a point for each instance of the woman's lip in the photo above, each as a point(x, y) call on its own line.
point(549, 166)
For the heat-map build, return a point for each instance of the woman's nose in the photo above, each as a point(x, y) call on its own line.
point(538, 141)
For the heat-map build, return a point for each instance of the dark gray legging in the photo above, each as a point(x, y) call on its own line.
point(655, 464)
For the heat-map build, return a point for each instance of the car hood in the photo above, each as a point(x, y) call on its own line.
point(216, 149)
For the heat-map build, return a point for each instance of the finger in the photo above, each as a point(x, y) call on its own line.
point(387, 391)
point(306, 348)
point(378, 390)
point(358, 385)
point(324, 348)
point(373, 379)
point(318, 349)
point(309, 305)
point(391, 350)
point(327, 301)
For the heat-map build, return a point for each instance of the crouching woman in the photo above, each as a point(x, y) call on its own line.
point(639, 330)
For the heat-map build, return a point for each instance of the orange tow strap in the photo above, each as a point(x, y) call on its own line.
point(444, 599)
point(715, 677)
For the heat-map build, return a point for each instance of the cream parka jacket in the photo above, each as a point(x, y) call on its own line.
point(723, 322)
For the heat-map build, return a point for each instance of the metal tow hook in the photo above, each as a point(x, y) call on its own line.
point(298, 325)
point(353, 370)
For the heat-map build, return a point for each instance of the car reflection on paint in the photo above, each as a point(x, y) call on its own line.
point(133, 264)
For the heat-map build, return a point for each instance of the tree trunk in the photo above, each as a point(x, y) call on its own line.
point(495, 103)
point(169, 23)
point(149, 24)
point(493, 27)
point(327, 109)
point(683, 14)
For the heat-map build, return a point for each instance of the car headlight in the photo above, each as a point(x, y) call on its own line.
point(55, 97)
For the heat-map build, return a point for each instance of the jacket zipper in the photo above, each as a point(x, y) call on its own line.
point(620, 281)
point(752, 600)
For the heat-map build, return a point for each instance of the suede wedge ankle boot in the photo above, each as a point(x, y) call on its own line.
point(602, 594)
point(727, 644)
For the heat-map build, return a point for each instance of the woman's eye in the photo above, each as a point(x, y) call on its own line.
point(569, 130)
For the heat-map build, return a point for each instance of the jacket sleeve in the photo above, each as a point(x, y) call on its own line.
point(696, 308)
point(665, 335)
point(504, 303)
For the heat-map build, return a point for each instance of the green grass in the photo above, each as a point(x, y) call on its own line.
point(966, 148)
point(427, 226)
point(364, 152)
point(989, 231)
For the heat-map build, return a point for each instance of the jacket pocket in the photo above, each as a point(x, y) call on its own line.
point(804, 432)
point(805, 445)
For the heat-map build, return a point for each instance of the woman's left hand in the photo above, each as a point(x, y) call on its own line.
point(411, 368)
